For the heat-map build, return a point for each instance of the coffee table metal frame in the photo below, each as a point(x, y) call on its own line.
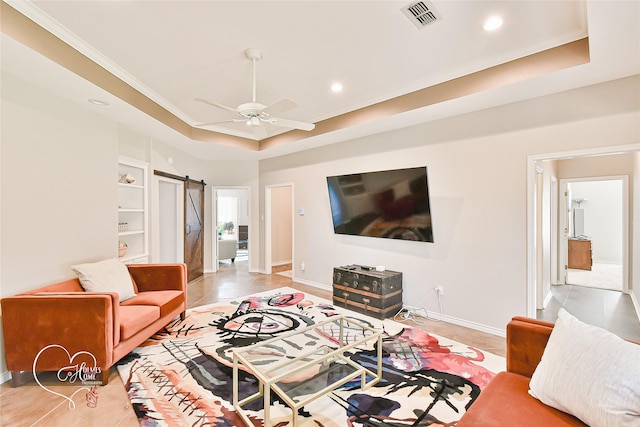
point(270, 376)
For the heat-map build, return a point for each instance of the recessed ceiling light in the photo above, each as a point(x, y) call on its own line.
point(336, 87)
point(493, 23)
point(98, 102)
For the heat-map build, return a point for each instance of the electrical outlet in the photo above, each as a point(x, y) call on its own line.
point(302, 266)
point(439, 290)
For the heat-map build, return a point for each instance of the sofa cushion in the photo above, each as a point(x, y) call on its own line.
point(590, 373)
point(110, 275)
point(166, 300)
point(506, 399)
point(133, 318)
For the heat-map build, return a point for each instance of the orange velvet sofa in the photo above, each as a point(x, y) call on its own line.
point(506, 401)
point(73, 324)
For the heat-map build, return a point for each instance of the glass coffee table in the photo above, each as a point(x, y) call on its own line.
point(301, 373)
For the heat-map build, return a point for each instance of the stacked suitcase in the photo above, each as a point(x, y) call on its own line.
point(368, 291)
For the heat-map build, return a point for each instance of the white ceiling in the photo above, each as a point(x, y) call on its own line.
point(176, 51)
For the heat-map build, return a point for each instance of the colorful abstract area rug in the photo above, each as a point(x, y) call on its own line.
point(182, 376)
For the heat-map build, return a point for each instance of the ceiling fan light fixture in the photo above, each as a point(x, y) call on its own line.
point(255, 114)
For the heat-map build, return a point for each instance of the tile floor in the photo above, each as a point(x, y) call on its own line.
point(611, 310)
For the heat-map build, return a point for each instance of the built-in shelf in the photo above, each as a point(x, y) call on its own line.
point(130, 232)
point(133, 210)
point(122, 184)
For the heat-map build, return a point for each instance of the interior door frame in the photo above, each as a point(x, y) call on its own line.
point(532, 258)
point(214, 221)
point(179, 213)
point(564, 246)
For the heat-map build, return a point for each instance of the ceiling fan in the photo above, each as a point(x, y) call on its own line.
point(255, 114)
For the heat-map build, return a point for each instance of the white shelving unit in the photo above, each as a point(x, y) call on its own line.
point(133, 209)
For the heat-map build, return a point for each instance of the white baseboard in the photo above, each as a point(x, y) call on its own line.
point(4, 377)
point(277, 263)
point(467, 324)
point(322, 286)
point(449, 319)
point(636, 304)
point(547, 299)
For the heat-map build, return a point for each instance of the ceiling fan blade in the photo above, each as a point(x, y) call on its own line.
point(220, 122)
point(292, 124)
point(215, 104)
point(279, 107)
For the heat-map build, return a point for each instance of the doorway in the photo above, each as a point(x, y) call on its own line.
point(596, 220)
point(279, 228)
point(231, 226)
point(600, 307)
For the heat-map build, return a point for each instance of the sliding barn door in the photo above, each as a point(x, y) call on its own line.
point(194, 229)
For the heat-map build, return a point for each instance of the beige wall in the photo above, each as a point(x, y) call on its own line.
point(58, 196)
point(477, 169)
point(281, 223)
point(597, 166)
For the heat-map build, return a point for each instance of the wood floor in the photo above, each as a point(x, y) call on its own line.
point(30, 405)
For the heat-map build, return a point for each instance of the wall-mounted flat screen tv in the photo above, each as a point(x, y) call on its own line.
point(392, 204)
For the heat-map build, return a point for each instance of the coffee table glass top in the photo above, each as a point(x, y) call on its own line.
point(304, 364)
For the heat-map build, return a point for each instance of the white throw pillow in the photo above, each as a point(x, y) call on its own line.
point(110, 275)
point(590, 373)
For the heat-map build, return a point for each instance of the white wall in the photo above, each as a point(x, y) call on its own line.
point(59, 188)
point(634, 252)
point(477, 176)
point(59, 191)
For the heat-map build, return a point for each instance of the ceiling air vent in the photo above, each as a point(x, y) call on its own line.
point(421, 13)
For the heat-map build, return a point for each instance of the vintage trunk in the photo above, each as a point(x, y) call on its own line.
point(368, 291)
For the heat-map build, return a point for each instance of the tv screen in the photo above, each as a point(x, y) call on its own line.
point(392, 204)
